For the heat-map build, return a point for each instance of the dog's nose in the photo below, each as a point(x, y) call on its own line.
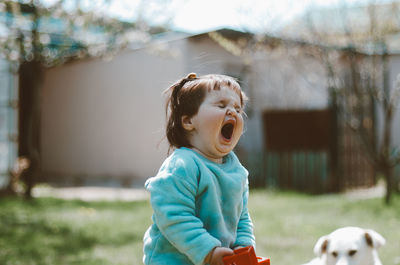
point(342, 260)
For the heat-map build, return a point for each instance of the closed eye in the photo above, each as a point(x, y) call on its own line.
point(352, 252)
point(221, 106)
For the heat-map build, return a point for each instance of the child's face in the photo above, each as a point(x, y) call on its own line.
point(216, 128)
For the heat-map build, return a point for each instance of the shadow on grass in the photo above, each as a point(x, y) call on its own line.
point(29, 233)
point(33, 239)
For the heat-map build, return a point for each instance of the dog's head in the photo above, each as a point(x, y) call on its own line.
point(349, 246)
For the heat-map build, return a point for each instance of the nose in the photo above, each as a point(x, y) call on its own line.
point(342, 261)
point(230, 112)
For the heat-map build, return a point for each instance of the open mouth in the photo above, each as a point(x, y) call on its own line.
point(227, 130)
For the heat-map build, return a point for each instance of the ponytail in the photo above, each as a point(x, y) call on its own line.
point(176, 107)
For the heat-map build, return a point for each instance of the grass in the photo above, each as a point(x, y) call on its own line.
point(52, 231)
point(287, 225)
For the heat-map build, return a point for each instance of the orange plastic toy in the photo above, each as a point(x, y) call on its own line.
point(245, 256)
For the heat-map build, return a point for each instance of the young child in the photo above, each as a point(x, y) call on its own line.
point(199, 196)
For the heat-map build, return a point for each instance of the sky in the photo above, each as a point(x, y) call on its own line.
point(202, 15)
point(195, 16)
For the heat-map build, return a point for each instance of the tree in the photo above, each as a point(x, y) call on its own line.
point(38, 36)
point(353, 45)
point(360, 76)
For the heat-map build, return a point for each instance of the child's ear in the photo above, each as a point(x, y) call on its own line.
point(187, 123)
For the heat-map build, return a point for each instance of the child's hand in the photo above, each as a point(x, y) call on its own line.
point(216, 255)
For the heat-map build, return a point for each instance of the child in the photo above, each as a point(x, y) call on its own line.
point(199, 196)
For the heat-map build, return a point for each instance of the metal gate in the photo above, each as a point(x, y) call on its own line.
point(299, 150)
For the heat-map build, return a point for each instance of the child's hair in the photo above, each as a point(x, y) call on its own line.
point(185, 98)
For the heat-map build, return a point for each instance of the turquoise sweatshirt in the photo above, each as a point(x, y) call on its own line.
point(198, 205)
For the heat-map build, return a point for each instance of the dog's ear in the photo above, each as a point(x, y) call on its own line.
point(321, 246)
point(373, 238)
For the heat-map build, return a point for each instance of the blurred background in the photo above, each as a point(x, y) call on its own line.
point(82, 82)
point(81, 101)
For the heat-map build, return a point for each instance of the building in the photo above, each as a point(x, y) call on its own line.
point(102, 121)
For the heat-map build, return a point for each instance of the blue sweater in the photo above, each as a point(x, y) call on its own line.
point(198, 205)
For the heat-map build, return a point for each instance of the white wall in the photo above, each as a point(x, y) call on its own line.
point(105, 119)
point(394, 65)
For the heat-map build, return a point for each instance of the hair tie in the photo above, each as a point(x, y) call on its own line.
point(177, 87)
point(191, 76)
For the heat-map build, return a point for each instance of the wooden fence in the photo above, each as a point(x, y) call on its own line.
point(308, 151)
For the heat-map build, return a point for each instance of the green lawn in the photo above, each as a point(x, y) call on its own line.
point(287, 225)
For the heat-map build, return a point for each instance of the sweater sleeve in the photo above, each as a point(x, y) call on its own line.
point(173, 193)
point(245, 236)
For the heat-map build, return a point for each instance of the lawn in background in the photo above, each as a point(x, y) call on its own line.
point(287, 225)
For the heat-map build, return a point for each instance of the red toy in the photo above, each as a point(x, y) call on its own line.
point(245, 256)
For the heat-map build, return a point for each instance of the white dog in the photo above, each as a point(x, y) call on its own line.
point(348, 246)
